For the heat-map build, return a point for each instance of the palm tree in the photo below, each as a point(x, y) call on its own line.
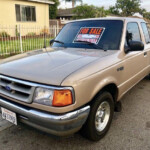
point(73, 2)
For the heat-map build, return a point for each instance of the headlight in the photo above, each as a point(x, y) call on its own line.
point(56, 98)
point(43, 96)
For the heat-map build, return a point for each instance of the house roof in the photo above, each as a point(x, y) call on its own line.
point(65, 12)
point(41, 1)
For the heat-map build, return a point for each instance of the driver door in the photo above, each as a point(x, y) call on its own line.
point(136, 62)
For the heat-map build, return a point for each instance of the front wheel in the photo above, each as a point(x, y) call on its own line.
point(100, 117)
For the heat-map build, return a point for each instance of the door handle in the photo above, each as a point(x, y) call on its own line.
point(145, 53)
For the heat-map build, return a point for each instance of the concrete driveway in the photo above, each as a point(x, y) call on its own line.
point(130, 129)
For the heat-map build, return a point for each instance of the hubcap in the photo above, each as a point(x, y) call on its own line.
point(102, 116)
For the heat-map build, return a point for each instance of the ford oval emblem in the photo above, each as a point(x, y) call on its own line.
point(8, 88)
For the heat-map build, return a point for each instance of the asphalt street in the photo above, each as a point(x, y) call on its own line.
point(130, 129)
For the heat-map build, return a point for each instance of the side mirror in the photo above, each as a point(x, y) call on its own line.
point(135, 46)
point(51, 41)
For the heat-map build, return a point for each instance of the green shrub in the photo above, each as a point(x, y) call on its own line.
point(31, 34)
point(44, 31)
point(4, 34)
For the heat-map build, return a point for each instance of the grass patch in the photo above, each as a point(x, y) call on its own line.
point(12, 47)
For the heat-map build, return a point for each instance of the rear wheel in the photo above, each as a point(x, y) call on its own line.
point(100, 117)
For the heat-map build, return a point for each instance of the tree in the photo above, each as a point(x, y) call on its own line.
point(128, 7)
point(53, 9)
point(73, 2)
point(100, 12)
point(84, 11)
point(113, 10)
point(89, 11)
point(144, 13)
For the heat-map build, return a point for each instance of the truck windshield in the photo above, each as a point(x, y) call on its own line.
point(102, 34)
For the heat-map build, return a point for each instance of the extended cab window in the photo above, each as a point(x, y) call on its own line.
point(146, 32)
point(148, 26)
point(105, 34)
point(133, 32)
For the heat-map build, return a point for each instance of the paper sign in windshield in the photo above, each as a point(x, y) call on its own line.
point(92, 35)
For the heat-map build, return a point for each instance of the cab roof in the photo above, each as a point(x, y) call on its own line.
point(127, 19)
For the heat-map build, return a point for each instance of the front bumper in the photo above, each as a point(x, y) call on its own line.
point(59, 125)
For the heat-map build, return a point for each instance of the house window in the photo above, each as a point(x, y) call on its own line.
point(25, 13)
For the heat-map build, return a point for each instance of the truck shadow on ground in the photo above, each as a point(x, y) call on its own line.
point(130, 129)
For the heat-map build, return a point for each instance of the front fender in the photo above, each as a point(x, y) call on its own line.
point(103, 83)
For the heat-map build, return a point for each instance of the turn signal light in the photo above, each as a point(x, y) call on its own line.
point(62, 98)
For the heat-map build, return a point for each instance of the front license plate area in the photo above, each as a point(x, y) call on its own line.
point(9, 116)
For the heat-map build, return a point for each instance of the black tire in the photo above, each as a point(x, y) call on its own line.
point(89, 129)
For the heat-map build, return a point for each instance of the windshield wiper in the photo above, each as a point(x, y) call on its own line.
point(53, 41)
point(89, 43)
point(148, 42)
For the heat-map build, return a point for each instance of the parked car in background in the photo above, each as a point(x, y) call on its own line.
point(78, 83)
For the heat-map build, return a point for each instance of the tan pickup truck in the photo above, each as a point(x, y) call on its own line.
point(78, 82)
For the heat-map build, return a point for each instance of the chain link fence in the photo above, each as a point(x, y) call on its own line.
point(20, 39)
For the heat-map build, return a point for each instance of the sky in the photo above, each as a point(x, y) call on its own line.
point(106, 3)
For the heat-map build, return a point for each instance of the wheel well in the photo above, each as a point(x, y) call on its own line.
point(112, 89)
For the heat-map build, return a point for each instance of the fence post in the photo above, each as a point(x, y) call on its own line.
point(20, 37)
point(44, 37)
point(55, 30)
point(57, 27)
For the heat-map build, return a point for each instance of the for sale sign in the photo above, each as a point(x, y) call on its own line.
point(90, 34)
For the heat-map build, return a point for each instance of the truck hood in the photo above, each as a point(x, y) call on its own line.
point(49, 67)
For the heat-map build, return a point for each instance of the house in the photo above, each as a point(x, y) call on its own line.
point(138, 15)
point(65, 14)
point(30, 14)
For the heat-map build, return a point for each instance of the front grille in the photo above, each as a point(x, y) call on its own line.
point(16, 89)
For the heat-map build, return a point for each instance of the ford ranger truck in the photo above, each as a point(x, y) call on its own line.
point(77, 83)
